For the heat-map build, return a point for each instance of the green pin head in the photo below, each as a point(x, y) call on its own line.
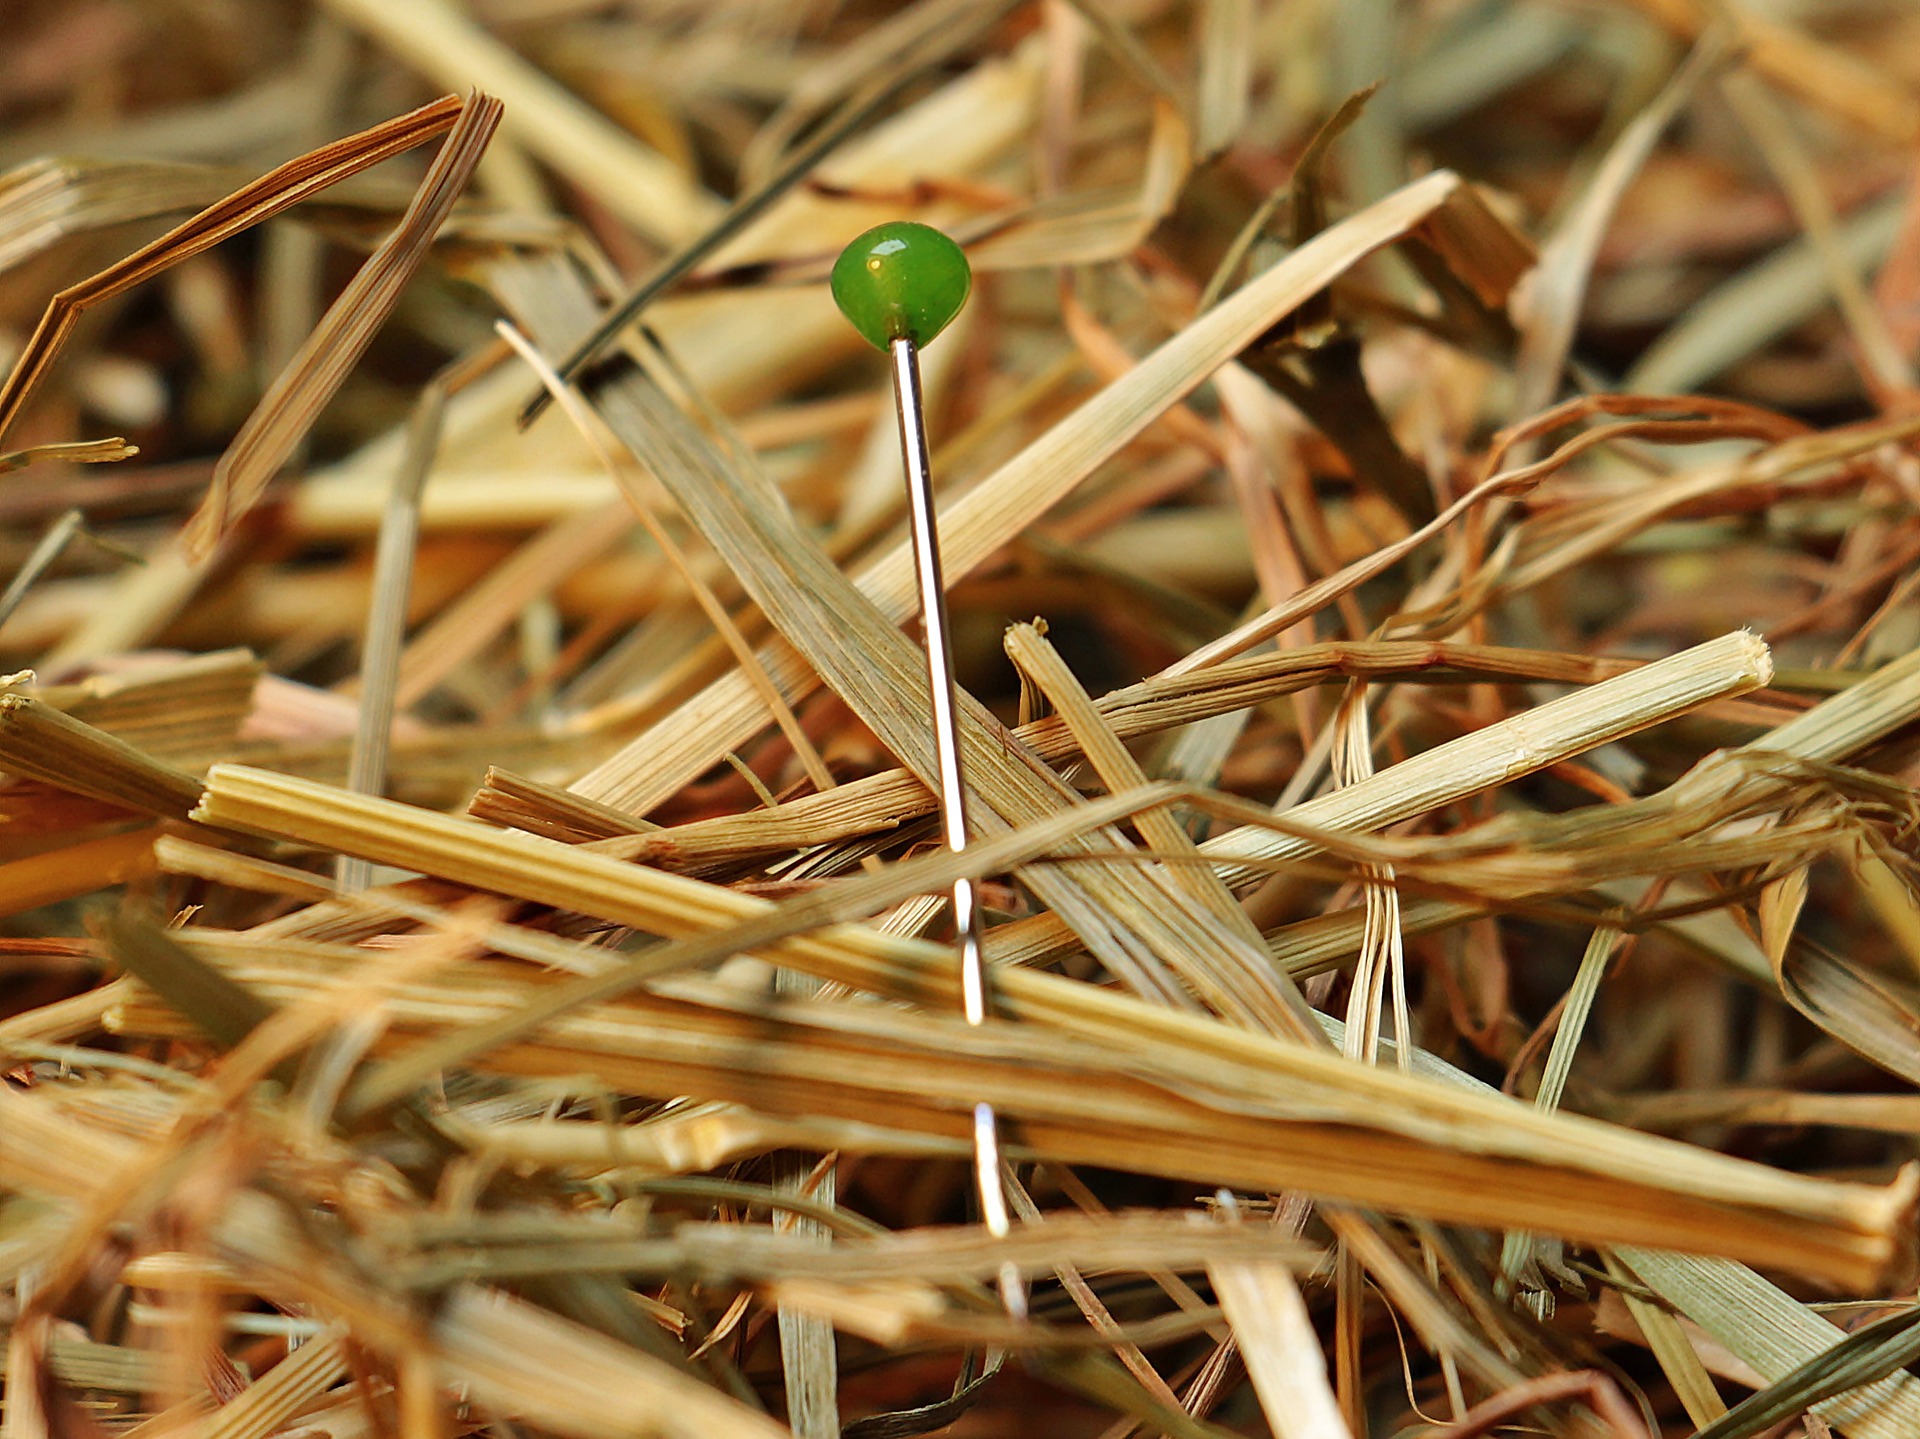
point(901, 281)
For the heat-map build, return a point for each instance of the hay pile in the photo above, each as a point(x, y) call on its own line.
point(1433, 567)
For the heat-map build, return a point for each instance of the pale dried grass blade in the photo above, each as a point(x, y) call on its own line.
point(578, 414)
point(393, 565)
point(931, 35)
point(278, 190)
point(1773, 132)
point(523, 1361)
point(168, 706)
point(1824, 76)
point(1224, 87)
point(927, 1255)
point(636, 183)
point(74, 452)
point(1517, 1253)
point(38, 740)
point(270, 1405)
point(1668, 1340)
point(45, 553)
point(465, 627)
point(1558, 287)
point(68, 1018)
point(69, 871)
point(1758, 304)
point(311, 379)
point(1382, 960)
point(1088, 228)
point(47, 201)
point(1772, 1332)
point(1281, 1350)
point(1038, 661)
point(134, 611)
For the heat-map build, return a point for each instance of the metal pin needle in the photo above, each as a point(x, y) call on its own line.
point(953, 789)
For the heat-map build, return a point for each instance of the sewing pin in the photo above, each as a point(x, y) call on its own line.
point(899, 285)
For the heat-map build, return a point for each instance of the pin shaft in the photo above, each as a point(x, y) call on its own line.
point(953, 791)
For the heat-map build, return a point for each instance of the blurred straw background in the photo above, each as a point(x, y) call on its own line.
point(1429, 493)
